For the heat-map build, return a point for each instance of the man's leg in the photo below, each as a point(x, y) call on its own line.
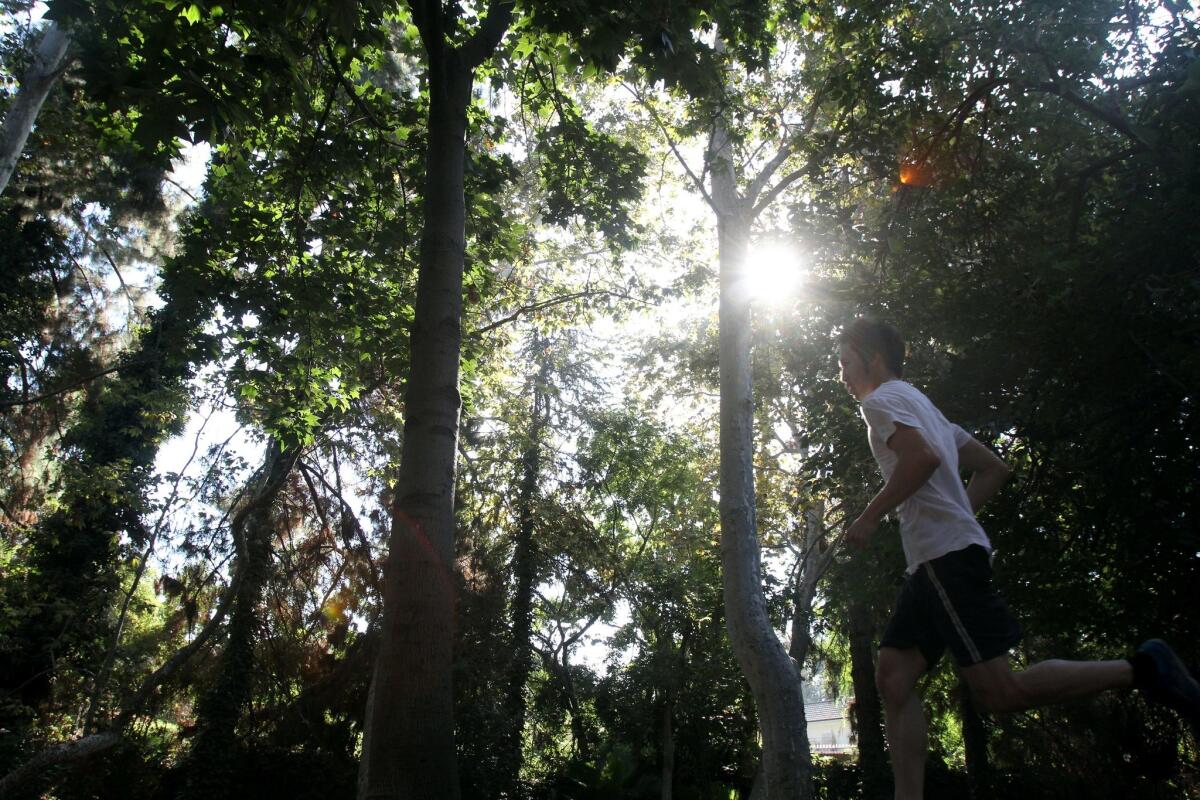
point(996, 687)
point(896, 675)
point(1160, 677)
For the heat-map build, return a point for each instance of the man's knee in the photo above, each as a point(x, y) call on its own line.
point(992, 700)
point(896, 675)
point(997, 693)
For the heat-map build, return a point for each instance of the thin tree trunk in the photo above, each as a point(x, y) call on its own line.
point(814, 562)
point(523, 571)
point(96, 695)
point(974, 735)
point(36, 83)
point(868, 712)
point(763, 660)
point(579, 734)
point(210, 762)
point(668, 750)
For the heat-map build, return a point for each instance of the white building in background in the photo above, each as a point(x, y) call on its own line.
point(829, 731)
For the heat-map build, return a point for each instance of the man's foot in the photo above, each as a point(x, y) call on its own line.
point(1162, 678)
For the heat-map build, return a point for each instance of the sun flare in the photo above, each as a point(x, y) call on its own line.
point(775, 272)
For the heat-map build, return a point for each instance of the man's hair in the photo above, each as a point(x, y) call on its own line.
point(869, 337)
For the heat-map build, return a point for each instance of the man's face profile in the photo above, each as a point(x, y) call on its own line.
point(853, 372)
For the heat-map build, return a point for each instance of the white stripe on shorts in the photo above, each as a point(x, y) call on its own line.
point(972, 651)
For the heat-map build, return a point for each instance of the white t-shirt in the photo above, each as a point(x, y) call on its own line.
point(937, 519)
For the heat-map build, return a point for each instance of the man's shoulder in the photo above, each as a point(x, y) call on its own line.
point(895, 391)
point(898, 395)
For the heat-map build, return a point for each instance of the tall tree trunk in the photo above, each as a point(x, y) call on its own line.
point(813, 564)
point(773, 680)
point(974, 734)
point(524, 575)
point(868, 712)
point(408, 745)
point(579, 732)
point(210, 762)
point(668, 749)
point(36, 83)
point(408, 737)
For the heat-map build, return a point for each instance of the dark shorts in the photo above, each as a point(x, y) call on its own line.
point(949, 602)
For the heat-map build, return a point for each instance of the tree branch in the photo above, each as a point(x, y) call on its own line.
point(777, 189)
point(69, 387)
point(483, 43)
point(696, 182)
point(79, 223)
point(347, 512)
point(181, 188)
point(767, 172)
point(421, 11)
point(352, 93)
point(1114, 119)
point(554, 301)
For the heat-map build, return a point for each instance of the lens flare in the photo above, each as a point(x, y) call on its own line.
point(775, 272)
point(912, 174)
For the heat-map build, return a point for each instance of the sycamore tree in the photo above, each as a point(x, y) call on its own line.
point(761, 109)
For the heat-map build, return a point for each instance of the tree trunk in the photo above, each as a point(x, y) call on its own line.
point(36, 83)
point(524, 574)
point(210, 762)
point(668, 750)
point(408, 741)
point(30, 778)
point(974, 735)
point(868, 712)
point(408, 734)
point(768, 669)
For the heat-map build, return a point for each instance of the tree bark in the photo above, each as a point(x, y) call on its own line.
point(773, 679)
point(974, 734)
point(868, 712)
point(523, 570)
point(668, 750)
point(408, 746)
point(36, 83)
point(408, 738)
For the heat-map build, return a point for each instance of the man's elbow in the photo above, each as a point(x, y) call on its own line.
point(929, 461)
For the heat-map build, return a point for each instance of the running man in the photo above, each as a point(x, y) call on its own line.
point(947, 600)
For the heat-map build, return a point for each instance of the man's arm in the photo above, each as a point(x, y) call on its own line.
point(988, 472)
point(916, 463)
